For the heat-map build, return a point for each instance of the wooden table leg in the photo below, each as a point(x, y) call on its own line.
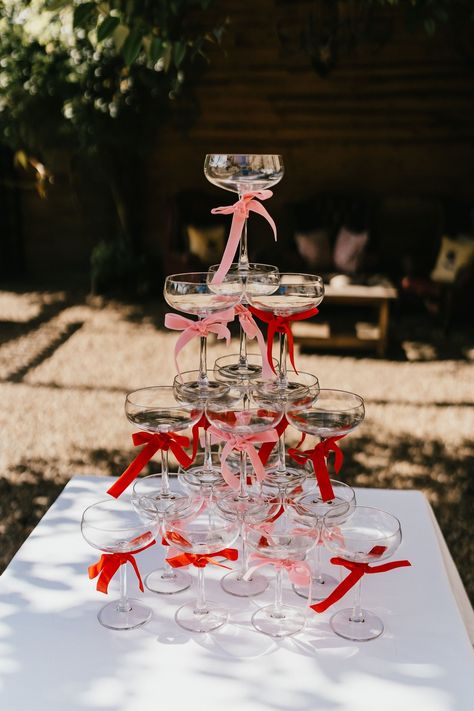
point(383, 328)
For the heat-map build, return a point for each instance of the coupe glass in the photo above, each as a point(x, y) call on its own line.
point(200, 530)
point(333, 414)
point(164, 580)
point(308, 503)
point(282, 542)
point(295, 294)
point(194, 294)
point(114, 527)
point(155, 409)
point(242, 173)
point(368, 536)
point(264, 279)
point(205, 472)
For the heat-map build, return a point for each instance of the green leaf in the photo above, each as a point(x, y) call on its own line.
point(53, 5)
point(106, 27)
point(155, 50)
point(218, 32)
point(83, 14)
point(179, 53)
point(430, 26)
point(132, 46)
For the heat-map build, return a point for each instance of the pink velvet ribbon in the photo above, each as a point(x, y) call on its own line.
point(240, 211)
point(298, 571)
point(216, 323)
point(241, 443)
point(251, 330)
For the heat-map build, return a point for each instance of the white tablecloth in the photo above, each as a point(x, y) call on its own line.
point(54, 655)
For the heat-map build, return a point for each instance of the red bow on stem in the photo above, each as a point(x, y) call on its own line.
point(318, 455)
point(109, 563)
point(357, 571)
point(281, 324)
point(200, 561)
point(153, 442)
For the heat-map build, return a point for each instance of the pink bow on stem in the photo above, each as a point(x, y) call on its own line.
point(241, 443)
point(240, 211)
point(251, 330)
point(216, 323)
point(298, 571)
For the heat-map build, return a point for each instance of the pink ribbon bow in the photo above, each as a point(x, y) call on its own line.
point(251, 330)
point(241, 443)
point(240, 211)
point(216, 323)
point(298, 571)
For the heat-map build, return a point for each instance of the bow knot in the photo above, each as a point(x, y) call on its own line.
point(241, 443)
point(357, 571)
point(153, 443)
point(109, 563)
point(216, 323)
point(318, 456)
point(298, 571)
point(240, 211)
point(200, 560)
point(250, 328)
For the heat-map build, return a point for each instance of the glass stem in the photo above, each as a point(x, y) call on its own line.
point(203, 379)
point(165, 482)
point(282, 370)
point(245, 553)
point(278, 604)
point(123, 603)
point(201, 606)
point(281, 454)
point(243, 476)
point(357, 614)
point(243, 348)
point(207, 451)
point(243, 254)
point(318, 576)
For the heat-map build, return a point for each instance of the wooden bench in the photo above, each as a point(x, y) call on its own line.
point(365, 336)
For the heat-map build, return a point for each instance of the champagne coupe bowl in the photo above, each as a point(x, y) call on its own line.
point(369, 535)
point(193, 293)
point(241, 173)
point(148, 502)
point(200, 530)
point(113, 526)
point(282, 540)
point(334, 413)
point(307, 502)
point(230, 369)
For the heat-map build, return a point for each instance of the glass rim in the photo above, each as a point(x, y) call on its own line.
point(151, 388)
point(144, 524)
point(262, 155)
point(205, 275)
point(320, 400)
point(387, 514)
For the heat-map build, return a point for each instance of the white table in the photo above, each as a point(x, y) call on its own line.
point(55, 656)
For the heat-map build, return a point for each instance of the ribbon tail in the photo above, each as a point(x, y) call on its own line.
point(137, 572)
point(322, 476)
point(271, 330)
point(291, 347)
point(267, 366)
point(256, 463)
point(338, 592)
point(261, 210)
point(230, 248)
point(133, 470)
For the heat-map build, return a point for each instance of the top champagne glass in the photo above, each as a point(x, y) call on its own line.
point(243, 173)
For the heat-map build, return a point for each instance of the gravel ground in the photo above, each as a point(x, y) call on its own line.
point(66, 363)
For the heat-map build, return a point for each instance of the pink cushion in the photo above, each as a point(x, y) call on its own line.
point(349, 250)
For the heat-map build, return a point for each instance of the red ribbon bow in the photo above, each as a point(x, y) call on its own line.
point(109, 563)
point(318, 456)
point(153, 442)
point(357, 571)
point(281, 324)
point(200, 561)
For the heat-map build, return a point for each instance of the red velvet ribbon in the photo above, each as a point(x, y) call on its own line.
point(109, 563)
point(357, 571)
point(318, 455)
point(281, 324)
point(267, 447)
point(153, 443)
point(200, 561)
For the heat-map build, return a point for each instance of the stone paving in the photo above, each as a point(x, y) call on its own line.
point(66, 364)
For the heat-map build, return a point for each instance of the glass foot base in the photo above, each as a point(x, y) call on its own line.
point(159, 581)
point(370, 627)
point(194, 620)
point(320, 587)
point(199, 476)
point(241, 371)
point(283, 622)
point(111, 617)
point(234, 584)
point(284, 477)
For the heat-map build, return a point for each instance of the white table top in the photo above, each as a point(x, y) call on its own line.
point(54, 655)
